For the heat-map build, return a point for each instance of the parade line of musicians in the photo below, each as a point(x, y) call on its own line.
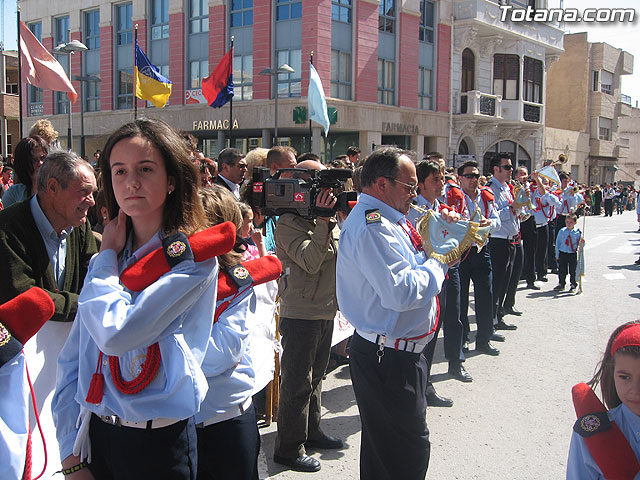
point(146, 310)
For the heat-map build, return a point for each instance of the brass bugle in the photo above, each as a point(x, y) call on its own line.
point(418, 208)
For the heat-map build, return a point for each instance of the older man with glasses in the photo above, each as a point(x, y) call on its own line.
point(232, 166)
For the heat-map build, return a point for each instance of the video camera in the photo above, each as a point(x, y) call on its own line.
point(297, 192)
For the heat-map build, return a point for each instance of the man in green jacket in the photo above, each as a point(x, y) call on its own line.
point(308, 305)
point(46, 242)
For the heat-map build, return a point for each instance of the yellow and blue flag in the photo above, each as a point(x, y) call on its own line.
point(150, 84)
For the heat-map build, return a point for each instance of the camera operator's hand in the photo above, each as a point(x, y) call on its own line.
point(326, 199)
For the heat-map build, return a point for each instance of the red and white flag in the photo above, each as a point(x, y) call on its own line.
point(40, 68)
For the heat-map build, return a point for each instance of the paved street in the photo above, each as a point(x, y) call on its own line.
point(514, 421)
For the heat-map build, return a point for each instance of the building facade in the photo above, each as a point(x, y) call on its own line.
point(585, 109)
point(499, 80)
point(385, 67)
point(9, 102)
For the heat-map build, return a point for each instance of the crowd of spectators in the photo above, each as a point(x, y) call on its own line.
point(522, 246)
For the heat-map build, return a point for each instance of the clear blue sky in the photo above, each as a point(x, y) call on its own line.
point(8, 25)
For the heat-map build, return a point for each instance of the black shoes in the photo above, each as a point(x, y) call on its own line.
point(487, 348)
point(435, 400)
point(532, 286)
point(573, 288)
point(326, 442)
point(543, 279)
point(497, 337)
point(559, 287)
point(304, 463)
point(457, 371)
point(502, 325)
point(512, 311)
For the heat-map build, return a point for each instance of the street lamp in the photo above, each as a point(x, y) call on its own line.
point(284, 68)
point(68, 49)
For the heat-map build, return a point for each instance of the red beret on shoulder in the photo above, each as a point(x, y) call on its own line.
point(25, 314)
point(604, 439)
point(206, 244)
point(260, 270)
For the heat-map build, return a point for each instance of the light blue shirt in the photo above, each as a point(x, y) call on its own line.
point(383, 285)
point(509, 223)
point(544, 207)
point(16, 193)
point(228, 364)
point(569, 201)
point(414, 215)
point(14, 418)
point(56, 245)
point(176, 311)
point(567, 240)
point(582, 466)
point(490, 212)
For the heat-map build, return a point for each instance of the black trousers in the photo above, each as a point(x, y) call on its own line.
point(449, 322)
point(477, 267)
point(392, 403)
point(306, 346)
point(512, 287)
point(551, 245)
point(567, 262)
point(541, 251)
point(503, 254)
point(529, 240)
point(608, 207)
point(123, 453)
point(229, 449)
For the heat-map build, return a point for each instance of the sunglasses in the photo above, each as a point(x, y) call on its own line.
point(413, 189)
point(471, 176)
point(507, 167)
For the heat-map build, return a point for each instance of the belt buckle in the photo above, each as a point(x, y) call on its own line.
point(112, 420)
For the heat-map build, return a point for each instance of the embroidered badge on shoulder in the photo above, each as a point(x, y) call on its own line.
point(592, 423)
point(5, 335)
point(240, 272)
point(240, 275)
point(175, 249)
point(373, 216)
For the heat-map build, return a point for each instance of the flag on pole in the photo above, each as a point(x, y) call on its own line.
point(40, 68)
point(217, 88)
point(151, 85)
point(317, 101)
point(550, 174)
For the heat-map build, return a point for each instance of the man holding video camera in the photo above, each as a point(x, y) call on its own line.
point(307, 249)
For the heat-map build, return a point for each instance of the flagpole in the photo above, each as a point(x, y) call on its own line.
point(584, 224)
point(135, 77)
point(19, 72)
point(310, 132)
point(231, 101)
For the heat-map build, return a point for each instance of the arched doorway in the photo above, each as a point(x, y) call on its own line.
point(520, 156)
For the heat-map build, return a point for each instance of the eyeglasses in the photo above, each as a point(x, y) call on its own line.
point(413, 189)
point(471, 176)
point(507, 167)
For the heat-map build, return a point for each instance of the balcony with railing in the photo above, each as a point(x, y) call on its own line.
point(624, 109)
point(518, 111)
point(480, 105)
point(491, 19)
